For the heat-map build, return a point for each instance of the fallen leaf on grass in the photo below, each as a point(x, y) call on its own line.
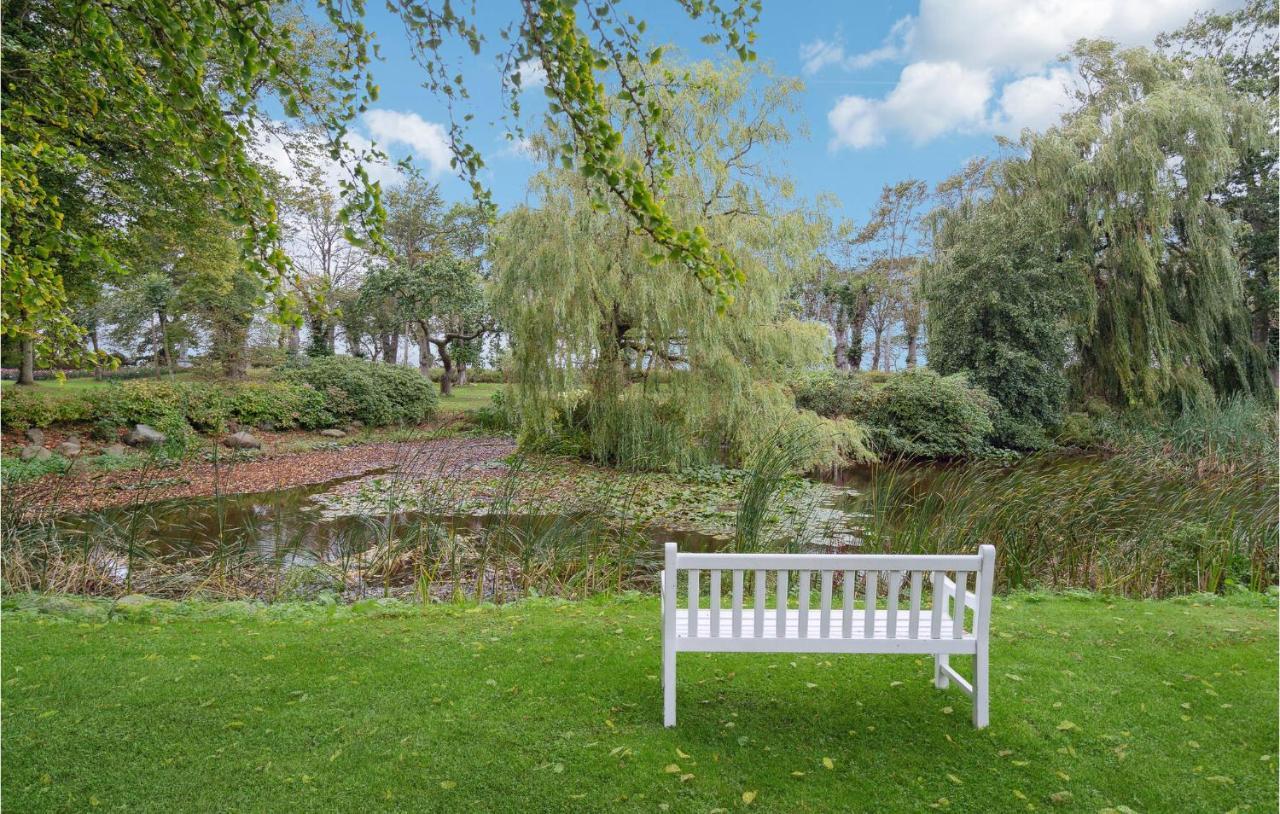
point(748, 797)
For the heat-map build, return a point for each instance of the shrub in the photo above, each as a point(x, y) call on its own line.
point(21, 408)
point(834, 395)
point(280, 405)
point(919, 414)
point(374, 393)
point(498, 416)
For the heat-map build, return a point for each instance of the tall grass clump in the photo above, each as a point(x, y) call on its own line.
point(1115, 524)
point(1234, 434)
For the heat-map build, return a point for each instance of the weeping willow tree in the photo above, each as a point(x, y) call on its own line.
point(1133, 176)
point(623, 349)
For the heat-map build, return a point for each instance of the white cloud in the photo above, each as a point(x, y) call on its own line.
point(929, 99)
point(519, 148)
point(975, 45)
point(532, 74)
point(272, 148)
point(1022, 35)
point(1034, 102)
point(428, 141)
point(823, 53)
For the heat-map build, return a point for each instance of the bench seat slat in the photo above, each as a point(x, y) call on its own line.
point(737, 603)
point(714, 591)
point(794, 622)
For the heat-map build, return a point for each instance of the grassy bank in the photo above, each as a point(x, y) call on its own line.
point(1096, 705)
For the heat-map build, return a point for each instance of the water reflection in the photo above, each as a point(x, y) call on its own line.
point(290, 526)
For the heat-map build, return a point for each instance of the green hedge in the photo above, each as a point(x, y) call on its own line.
point(913, 414)
point(372, 392)
point(919, 414)
point(835, 395)
point(205, 406)
point(21, 408)
point(313, 394)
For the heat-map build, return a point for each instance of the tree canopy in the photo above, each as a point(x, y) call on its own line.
point(623, 349)
point(106, 105)
point(1105, 242)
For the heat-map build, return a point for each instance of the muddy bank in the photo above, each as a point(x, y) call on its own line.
point(269, 471)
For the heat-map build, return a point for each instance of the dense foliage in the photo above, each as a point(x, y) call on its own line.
point(109, 107)
point(623, 351)
point(205, 406)
point(372, 392)
point(1001, 301)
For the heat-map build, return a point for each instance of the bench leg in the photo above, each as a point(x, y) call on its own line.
point(940, 679)
point(981, 707)
point(668, 686)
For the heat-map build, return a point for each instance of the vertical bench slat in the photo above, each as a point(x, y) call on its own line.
point(913, 625)
point(714, 591)
point(957, 617)
point(891, 604)
point(846, 605)
point(869, 611)
point(694, 577)
point(825, 629)
point(780, 612)
point(803, 589)
point(737, 604)
point(935, 617)
point(757, 608)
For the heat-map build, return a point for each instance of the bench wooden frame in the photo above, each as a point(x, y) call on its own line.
point(937, 630)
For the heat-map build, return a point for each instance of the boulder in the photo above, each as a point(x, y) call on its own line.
point(333, 433)
point(114, 450)
point(69, 448)
point(144, 436)
point(34, 452)
point(241, 440)
point(36, 436)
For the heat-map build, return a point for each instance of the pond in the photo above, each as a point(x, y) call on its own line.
point(298, 524)
point(1057, 520)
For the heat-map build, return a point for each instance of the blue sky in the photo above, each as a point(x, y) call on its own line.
point(893, 90)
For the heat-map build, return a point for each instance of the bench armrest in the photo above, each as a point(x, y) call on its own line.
point(970, 596)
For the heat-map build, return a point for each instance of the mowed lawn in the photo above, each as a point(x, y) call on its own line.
point(468, 397)
point(540, 706)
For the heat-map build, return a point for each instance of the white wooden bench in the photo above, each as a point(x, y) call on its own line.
point(908, 618)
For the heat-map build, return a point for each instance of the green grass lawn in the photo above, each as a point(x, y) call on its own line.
point(544, 707)
point(78, 385)
point(470, 397)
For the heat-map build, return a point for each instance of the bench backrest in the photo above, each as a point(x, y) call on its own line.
point(925, 589)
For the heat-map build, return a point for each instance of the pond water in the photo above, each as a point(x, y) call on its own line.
point(295, 523)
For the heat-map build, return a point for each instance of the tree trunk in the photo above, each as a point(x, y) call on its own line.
point(165, 350)
point(388, 342)
point(425, 360)
point(841, 330)
point(875, 346)
point(97, 351)
point(913, 343)
point(27, 373)
point(462, 374)
point(857, 326)
point(446, 362)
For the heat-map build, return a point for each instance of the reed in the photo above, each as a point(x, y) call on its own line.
point(1112, 524)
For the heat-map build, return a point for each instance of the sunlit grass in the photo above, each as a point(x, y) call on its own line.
point(538, 706)
point(468, 397)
